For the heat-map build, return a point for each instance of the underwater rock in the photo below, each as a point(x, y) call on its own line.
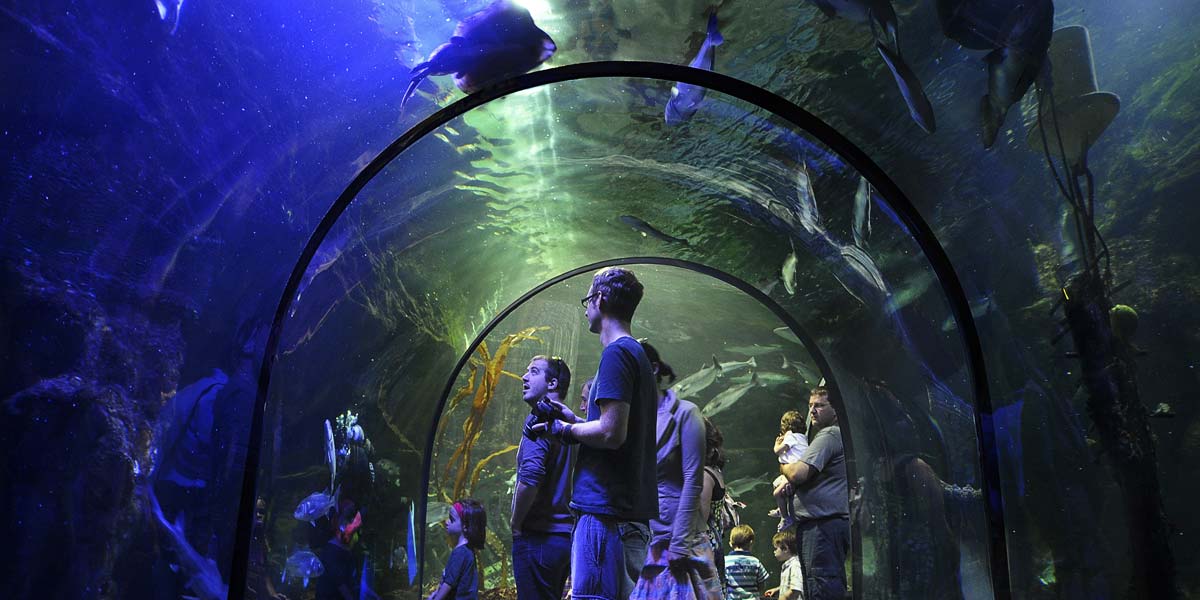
point(69, 445)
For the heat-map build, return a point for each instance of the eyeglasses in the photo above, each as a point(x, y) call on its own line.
point(588, 298)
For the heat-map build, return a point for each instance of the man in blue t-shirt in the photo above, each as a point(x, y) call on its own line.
point(541, 514)
point(616, 490)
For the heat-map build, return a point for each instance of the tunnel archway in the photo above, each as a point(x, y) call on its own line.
point(890, 197)
point(806, 341)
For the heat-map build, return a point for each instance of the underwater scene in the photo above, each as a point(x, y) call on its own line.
point(272, 274)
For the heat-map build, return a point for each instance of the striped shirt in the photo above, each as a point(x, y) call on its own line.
point(745, 576)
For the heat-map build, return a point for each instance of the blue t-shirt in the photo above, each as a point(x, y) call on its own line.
point(460, 574)
point(622, 482)
point(546, 464)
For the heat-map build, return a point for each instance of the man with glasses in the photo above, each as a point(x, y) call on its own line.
point(615, 492)
point(541, 515)
point(821, 503)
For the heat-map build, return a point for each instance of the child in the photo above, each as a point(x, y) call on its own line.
point(467, 526)
point(791, 581)
point(745, 575)
point(789, 447)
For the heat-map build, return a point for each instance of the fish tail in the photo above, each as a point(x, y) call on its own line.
point(415, 77)
point(714, 35)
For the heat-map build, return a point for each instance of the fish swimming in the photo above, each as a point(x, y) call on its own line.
point(766, 378)
point(727, 367)
point(740, 487)
point(315, 506)
point(648, 230)
point(410, 543)
point(881, 17)
point(436, 512)
point(692, 384)
point(330, 454)
point(754, 350)
point(203, 576)
point(168, 13)
point(1017, 35)
point(686, 98)
point(806, 374)
point(495, 43)
point(787, 334)
point(729, 397)
point(862, 213)
point(304, 564)
point(789, 273)
point(806, 201)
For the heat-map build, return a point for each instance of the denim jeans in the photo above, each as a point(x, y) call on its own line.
point(541, 562)
point(606, 557)
point(823, 545)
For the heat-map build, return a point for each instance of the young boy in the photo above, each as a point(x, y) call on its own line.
point(791, 582)
point(745, 575)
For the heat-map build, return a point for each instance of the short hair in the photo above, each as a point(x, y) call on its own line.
point(819, 391)
point(786, 539)
point(556, 368)
point(714, 444)
point(664, 370)
point(474, 522)
point(741, 536)
point(793, 420)
point(620, 290)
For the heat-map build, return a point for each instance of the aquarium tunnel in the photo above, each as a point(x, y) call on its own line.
point(270, 275)
point(451, 396)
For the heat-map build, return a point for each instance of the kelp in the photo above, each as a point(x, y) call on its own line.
point(483, 463)
point(492, 369)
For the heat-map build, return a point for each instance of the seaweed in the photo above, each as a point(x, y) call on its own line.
point(472, 428)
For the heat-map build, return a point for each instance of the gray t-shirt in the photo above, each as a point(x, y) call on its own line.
point(824, 494)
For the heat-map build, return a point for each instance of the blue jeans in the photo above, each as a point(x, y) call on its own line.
point(541, 562)
point(606, 557)
point(823, 545)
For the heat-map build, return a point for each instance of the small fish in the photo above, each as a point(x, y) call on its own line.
point(862, 213)
point(202, 574)
point(979, 309)
point(315, 506)
point(754, 350)
point(789, 273)
point(686, 98)
point(495, 43)
point(740, 487)
point(330, 454)
point(787, 334)
point(168, 13)
point(767, 378)
point(304, 564)
point(692, 384)
point(1163, 410)
point(735, 365)
point(729, 397)
point(806, 201)
point(806, 374)
point(648, 230)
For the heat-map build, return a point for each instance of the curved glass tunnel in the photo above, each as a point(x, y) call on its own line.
point(412, 272)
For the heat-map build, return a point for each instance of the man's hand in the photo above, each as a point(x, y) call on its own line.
point(557, 430)
point(529, 430)
point(548, 409)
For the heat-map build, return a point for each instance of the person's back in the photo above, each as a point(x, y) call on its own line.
point(745, 575)
point(621, 482)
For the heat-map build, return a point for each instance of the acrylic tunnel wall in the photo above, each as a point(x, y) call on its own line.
point(770, 252)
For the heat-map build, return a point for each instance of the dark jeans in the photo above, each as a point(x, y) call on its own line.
point(823, 545)
point(541, 563)
point(607, 556)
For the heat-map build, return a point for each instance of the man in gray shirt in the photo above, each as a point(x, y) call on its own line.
point(821, 503)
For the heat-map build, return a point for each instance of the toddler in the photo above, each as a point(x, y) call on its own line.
point(791, 580)
point(789, 447)
point(467, 527)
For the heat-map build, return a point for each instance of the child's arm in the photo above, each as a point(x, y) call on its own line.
point(789, 594)
point(781, 445)
point(441, 593)
point(771, 593)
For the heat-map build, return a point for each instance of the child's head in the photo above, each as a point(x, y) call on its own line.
point(784, 544)
point(792, 420)
point(468, 519)
point(741, 537)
